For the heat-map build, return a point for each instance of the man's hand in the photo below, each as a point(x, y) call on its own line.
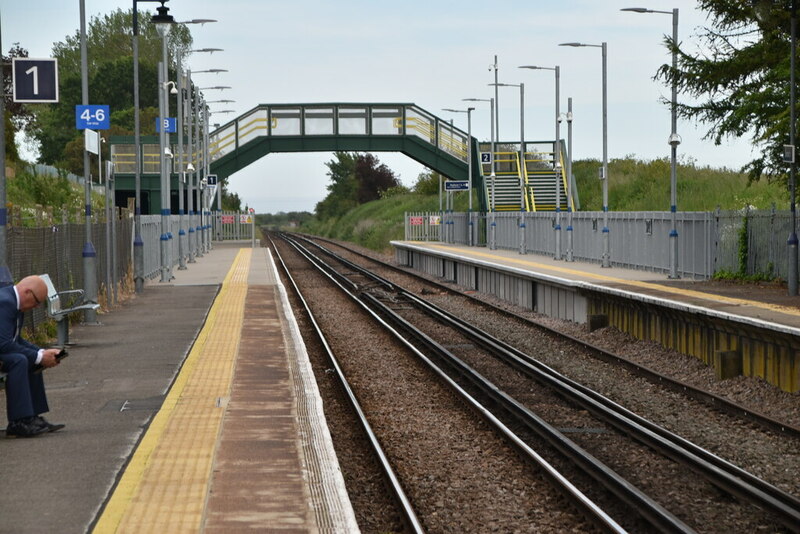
point(49, 358)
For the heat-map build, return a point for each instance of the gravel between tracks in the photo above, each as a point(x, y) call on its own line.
point(460, 476)
point(769, 456)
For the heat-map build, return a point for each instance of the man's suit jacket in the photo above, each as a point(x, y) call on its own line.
point(11, 327)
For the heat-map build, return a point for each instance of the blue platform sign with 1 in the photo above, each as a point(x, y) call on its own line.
point(92, 117)
point(170, 125)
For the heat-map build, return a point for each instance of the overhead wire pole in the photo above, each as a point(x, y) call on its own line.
point(89, 254)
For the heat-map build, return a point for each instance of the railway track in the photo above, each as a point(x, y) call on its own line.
point(507, 392)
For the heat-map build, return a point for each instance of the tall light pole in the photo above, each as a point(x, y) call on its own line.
point(468, 111)
point(493, 176)
point(138, 243)
point(569, 256)
point(556, 157)
point(674, 140)
point(163, 21)
point(5, 272)
point(606, 245)
point(521, 166)
point(89, 253)
point(182, 168)
point(792, 241)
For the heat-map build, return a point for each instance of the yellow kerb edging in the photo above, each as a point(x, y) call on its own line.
point(164, 487)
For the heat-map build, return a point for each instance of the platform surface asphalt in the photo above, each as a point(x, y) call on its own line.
point(107, 392)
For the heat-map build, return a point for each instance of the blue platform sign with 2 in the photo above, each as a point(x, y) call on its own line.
point(92, 117)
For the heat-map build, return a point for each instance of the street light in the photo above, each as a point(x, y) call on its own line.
point(217, 87)
point(674, 140)
point(492, 176)
point(184, 241)
point(212, 71)
point(209, 50)
point(606, 245)
point(163, 22)
point(138, 243)
point(521, 166)
point(556, 158)
point(468, 111)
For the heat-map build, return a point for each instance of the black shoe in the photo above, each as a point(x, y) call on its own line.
point(50, 426)
point(27, 427)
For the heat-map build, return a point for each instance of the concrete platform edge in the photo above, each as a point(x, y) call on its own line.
point(330, 501)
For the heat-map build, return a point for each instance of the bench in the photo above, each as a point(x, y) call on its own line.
point(58, 311)
point(60, 304)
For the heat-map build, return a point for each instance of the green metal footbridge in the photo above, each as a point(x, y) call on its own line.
point(405, 128)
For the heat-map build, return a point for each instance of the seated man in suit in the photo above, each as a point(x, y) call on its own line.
point(25, 395)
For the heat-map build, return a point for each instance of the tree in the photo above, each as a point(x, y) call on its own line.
point(373, 178)
point(110, 73)
point(738, 82)
point(342, 189)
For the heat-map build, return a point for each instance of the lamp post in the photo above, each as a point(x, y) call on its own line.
point(208, 161)
point(606, 262)
point(182, 167)
point(569, 256)
point(521, 166)
point(792, 241)
point(5, 272)
point(468, 111)
point(492, 177)
point(674, 140)
point(89, 253)
point(163, 21)
point(556, 157)
point(138, 244)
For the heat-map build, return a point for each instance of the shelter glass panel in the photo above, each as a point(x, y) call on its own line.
point(252, 125)
point(420, 124)
point(352, 121)
point(124, 158)
point(285, 121)
point(387, 121)
point(319, 121)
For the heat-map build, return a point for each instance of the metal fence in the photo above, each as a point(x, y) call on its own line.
point(58, 251)
point(233, 225)
point(708, 242)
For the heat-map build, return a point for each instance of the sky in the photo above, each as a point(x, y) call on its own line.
point(431, 53)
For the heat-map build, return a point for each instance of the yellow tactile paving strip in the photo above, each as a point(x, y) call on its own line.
point(165, 485)
point(634, 283)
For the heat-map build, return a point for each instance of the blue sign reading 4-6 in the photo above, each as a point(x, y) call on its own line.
point(92, 117)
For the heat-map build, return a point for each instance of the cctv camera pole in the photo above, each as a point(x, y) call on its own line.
point(89, 253)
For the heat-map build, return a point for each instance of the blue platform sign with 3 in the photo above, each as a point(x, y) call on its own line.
point(92, 117)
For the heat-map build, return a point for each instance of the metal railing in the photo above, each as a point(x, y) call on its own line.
point(709, 242)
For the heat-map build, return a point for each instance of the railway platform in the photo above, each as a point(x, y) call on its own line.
point(191, 408)
point(739, 329)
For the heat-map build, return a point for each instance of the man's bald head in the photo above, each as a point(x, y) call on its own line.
point(32, 292)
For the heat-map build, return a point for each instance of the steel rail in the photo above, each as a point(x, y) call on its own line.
point(709, 399)
point(409, 515)
point(717, 470)
point(583, 503)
